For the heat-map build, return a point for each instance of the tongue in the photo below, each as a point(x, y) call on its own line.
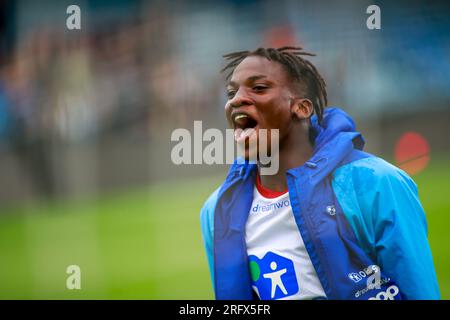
point(237, 134)
point(242, 122)
point(240, 135)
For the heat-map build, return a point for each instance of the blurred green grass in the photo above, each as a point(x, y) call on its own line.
point(146, 244)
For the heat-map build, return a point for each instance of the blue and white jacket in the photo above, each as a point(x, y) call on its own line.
point(356, 213)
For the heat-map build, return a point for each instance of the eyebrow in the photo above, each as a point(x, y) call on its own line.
point(251, 79)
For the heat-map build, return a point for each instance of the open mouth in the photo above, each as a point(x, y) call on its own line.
point(244, 126)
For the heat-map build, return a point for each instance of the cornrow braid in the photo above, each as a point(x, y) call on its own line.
point(300, 69)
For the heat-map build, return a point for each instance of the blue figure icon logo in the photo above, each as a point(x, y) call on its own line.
point(273, 276)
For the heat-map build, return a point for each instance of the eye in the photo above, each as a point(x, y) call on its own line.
point(259, 88)
point(231, 94)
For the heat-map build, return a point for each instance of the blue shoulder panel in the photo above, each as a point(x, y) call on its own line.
point(381, 203)
point(207, 226)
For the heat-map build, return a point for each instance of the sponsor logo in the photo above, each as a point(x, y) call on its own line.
point(358, 276)
point(273, 276)
point(372, 276)
point(331, 210)
point(355, 277)
point(389, 294)
point(371, 286)
point(270, 207)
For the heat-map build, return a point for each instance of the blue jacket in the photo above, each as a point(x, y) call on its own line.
point(370, 208)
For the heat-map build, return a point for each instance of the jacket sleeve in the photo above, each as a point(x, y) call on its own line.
point(401, 236)
point(207, 227)
point(391, 221)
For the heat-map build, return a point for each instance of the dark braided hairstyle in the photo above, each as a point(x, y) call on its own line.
point(300, 69)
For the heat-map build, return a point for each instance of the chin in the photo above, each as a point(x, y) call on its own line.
point(253, 155)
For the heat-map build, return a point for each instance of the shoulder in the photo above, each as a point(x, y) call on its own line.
point(374, 193)
point(372, 174)
point(211, 201)
point(381, 203)
point(207, 211)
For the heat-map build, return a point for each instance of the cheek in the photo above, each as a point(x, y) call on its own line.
point(278, 115)
point(228, 112)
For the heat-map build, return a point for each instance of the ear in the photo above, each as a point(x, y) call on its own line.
point(302, 108)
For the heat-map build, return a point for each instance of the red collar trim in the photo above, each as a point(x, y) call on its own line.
point(267, 193)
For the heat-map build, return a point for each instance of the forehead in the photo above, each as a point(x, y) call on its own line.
point(259, 66)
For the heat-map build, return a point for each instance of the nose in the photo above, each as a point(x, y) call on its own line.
point(240, 99)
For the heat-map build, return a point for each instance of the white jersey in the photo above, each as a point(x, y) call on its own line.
point(280, 266)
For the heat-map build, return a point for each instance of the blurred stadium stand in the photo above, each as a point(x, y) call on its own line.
point(85, 112)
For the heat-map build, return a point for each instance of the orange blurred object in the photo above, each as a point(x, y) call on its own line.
point(412, 153)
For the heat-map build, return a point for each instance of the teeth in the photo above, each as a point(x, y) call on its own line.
point(240, 116)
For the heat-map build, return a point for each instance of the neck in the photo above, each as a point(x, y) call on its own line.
point(294, 151)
